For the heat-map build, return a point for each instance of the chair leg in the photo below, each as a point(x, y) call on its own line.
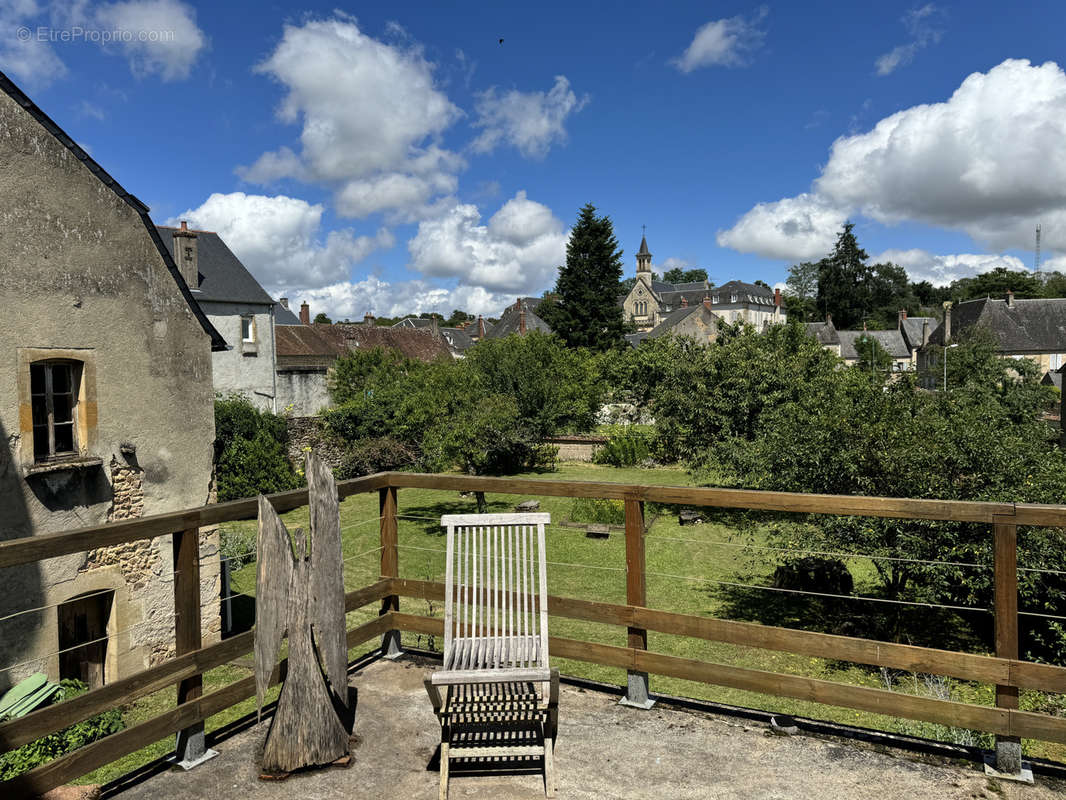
point(443, 770)
point(549, 767)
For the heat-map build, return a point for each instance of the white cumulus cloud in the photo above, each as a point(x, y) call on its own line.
point(528, 121)
point(724, 43)
point(353, 299)
point(158, 37)
point(987, 161)
point(280, 239)
point(517, 251)
point(940, 270)
point(371, 116)
point(794, 229)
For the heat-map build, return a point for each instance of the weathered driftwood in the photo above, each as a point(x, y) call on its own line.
point(304, 595)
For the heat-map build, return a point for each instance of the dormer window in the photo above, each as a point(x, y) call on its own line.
point(715, 299)
point(732, 298)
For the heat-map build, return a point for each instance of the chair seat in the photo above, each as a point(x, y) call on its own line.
point(455, 677)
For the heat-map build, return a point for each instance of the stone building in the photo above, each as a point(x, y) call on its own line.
point(696, 322)
point(520, 317)
point(238, 307)
point(106, 408)
point(650, 300)
point(1031, 329)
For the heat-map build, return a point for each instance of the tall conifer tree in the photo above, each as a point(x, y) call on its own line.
point(587, 313)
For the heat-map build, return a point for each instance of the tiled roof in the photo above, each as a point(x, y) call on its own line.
point(315, 343)
point(673, 318)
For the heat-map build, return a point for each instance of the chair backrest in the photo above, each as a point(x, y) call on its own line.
point(496, 587)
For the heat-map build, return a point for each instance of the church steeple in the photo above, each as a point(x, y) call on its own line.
point(643, 255)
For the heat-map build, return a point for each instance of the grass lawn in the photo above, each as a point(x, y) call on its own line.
point(683, 566)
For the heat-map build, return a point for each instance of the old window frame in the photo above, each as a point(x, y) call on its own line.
point(86, 409)
point(43, 405)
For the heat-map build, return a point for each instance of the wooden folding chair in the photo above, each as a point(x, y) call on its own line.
point(496, 646)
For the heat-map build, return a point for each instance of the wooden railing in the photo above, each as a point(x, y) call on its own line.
point(1005, 670)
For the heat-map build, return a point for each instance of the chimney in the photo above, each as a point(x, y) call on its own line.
point(480, 328)
point(305, 313)
point(902, 316)
point(1010, 299)
point(828, 318)
point(433, 325)
point(284, 302)
point(521, 319)
point(684, 301)
point(777, 298)
point(925, 332)
point(947, 322)
point(368, 319)
point(185, 255)
point(707, 302)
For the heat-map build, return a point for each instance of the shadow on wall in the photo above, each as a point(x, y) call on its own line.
point(22, 586)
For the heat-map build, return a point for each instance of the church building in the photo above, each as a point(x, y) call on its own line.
point(650, 301)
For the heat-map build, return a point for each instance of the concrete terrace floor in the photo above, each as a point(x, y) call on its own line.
point(604, 751)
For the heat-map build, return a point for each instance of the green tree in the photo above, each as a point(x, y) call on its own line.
point(853, 291)
point(322, 319)
point(251, 454)
point(682, 275)
point(587, 314)
point(996, 283)
point(872, 356)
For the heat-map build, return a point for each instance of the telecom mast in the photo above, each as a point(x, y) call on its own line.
point(1036, 264)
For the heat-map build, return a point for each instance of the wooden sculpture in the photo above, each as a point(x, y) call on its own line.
point(304, 595)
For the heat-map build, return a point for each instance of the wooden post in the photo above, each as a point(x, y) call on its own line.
point(1008, 748)
point(390, 564)
point(636, 595)
point(190, 748)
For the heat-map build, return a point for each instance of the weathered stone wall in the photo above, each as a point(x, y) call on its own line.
point(308, 432)
point(576, 448)
point(81, 277)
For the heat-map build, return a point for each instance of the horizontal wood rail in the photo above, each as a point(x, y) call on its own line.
point(857, 505)
point(964, 666)
point(49, 545)
point(18, 731)
point(1007, 722)
point(104, 751)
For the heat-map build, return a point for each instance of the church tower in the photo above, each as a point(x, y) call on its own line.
point(644, 262)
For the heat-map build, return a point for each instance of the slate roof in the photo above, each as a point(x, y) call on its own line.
point(824, 332)
point(1030, 326)
point(458, 339)
point(694, 297)
point(223, 278)
point(891, 341)
point(284, 316)
point(660, 287)
point(509, 321)
point(692, 286)
point(745, 292)
point(643, 251)
point(672, 319)
point(1053, 378)
point(413, 322)
point(911, 328)
point(11, 90)
point(634, 339)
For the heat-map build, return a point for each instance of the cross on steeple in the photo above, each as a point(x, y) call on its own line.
point(643, 231)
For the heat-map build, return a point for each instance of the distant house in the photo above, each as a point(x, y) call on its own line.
point(459, 340)
point(237, 306)
point(650, 300)
point(106, 409)
point(916, 331)
point(891, 342)
point(1032, 329)
point(307, 352)
point(696, 322)
point(519, 317)
point(825, 333)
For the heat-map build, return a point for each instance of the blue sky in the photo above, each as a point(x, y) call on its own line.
point(399, 157)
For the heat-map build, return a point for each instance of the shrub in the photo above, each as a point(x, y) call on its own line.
point(237, 545)
point(623, 450)
point(33, 754)
point(250, 450)
point(376, 455)
point(604, 512)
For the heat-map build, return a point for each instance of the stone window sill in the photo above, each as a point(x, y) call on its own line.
point(45, 467)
